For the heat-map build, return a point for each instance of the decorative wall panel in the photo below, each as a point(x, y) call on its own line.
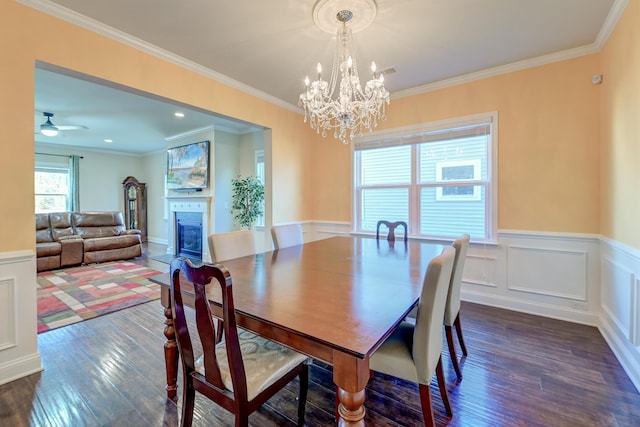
point(554, 272)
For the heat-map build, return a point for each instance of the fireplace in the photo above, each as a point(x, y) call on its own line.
point(189, 227)
point(189, 234)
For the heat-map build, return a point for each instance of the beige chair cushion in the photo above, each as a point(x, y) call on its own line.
point(423, 349)
point(453, 298)
point(265, 362)
point(452, 308)
point(394, 357)
point(288, 235)
point(236, 244)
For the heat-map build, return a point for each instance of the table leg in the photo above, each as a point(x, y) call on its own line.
point(351, 408)
point(351, 375)
point(170, 354)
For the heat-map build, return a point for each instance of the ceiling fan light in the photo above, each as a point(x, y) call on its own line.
point(48, 128)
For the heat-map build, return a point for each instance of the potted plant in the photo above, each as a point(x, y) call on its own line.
point(248, 195)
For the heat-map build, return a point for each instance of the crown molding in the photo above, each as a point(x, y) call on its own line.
point(44, 145)
point(190, 133)
point(610, 23)
point(90, 24)
point(607, 28)
point(129, 40)
point(496, 71)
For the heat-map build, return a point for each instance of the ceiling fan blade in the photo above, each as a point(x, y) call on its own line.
point(71, 127)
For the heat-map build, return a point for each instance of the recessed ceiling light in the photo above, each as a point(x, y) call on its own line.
point(108, 141)
point(179, 114)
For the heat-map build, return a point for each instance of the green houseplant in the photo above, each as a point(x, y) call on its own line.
point(248, 195)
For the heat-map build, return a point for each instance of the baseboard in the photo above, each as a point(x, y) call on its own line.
point(624, 351)
point(157, 240)
point(535, 308)
point(18, 368)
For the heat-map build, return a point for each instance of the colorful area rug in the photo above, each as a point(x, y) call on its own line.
point(75, 294)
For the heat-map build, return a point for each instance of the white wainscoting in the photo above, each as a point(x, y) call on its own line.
point(548, 274)
point(18, 316)
point(620, 293)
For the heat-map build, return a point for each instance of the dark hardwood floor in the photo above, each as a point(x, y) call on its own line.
point(522, 370)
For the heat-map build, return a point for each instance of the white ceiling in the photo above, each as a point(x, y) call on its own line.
point(268, 47)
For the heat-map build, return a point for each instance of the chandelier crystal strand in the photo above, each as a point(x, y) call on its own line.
point(354, 109)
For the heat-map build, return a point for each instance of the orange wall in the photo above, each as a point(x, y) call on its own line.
point(549, 129)
point(548, 145)
point(620, 188)
point(29, 36)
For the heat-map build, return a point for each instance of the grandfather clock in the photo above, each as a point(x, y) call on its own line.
point(135, 206)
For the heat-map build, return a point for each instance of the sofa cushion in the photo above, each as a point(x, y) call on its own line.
point(48, 262)
point(48, 249)
point(90, 225)
point(43, 231)
point(107, 243)
point(60, 224)
point(113, 254)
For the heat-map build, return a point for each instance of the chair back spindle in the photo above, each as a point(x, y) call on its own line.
point(391, 237)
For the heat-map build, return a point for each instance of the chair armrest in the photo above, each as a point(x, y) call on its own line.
point(130, 232)
point(71, 237)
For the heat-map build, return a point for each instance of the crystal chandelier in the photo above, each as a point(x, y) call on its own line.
point(354, 109)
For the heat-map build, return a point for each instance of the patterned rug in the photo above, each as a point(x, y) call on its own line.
point(75, 294)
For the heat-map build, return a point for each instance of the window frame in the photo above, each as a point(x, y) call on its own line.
point(410, 135)
point(45, 167)
point(260, 175)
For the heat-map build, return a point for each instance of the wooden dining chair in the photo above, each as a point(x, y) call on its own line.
point(239, 373)
point(413, 351)
point(285, 236)
point(391, 226)
point(235, 244)
point(452, 308)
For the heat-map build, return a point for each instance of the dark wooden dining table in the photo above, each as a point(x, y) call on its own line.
point(335, 299)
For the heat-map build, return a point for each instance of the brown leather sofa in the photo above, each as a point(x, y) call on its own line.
point(56, 244)
point(71, 238)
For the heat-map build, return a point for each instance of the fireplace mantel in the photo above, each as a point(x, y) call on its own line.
point(188, 198)
point(201, 204)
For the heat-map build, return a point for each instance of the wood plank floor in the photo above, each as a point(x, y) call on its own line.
point(522, 370)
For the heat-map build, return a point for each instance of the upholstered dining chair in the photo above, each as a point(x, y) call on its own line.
point(239, 373)
point(391, 226)
point(286, 235)
point(452, 309)
point(413, 351)
point(234, 244)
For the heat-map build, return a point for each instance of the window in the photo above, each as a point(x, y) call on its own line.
point(52, 189)
point(458, 170)
point(260, 177)
point(438, 177)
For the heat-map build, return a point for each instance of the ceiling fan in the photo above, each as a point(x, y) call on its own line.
point(49, 129)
